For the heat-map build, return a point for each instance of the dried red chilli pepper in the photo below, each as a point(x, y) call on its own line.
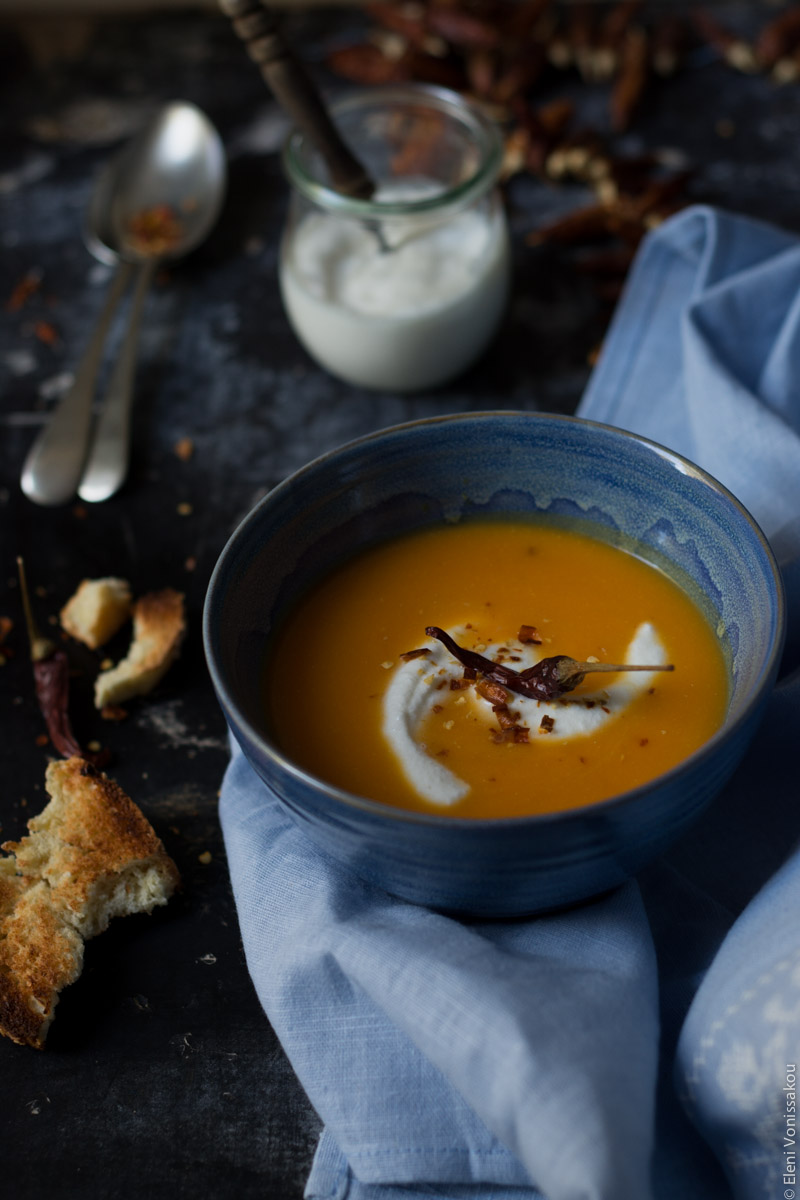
point(548, 679)
point(51, 680)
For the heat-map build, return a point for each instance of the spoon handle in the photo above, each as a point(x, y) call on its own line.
point(296, 93)
point(53, 467)
point(108, 460)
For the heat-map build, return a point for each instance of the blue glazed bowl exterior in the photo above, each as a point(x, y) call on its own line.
point(590, 476)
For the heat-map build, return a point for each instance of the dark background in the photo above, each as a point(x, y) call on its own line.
point(161, 1075)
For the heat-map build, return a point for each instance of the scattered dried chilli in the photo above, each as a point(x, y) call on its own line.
point(546, 680)
point(505, 54)
point(51, 681)
point(51, 677)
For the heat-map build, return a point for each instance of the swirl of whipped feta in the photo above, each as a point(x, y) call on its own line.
point(415, 688)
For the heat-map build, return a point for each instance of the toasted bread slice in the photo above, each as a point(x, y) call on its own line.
point(97, 610)
point(40, 953)
point(159, 624)
point(91, 855)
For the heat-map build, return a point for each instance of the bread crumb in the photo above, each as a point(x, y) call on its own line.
point(97, 610)
point(158, 628)
point(205, 857)
point(45, 332)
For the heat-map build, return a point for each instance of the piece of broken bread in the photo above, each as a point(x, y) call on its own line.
point(91, 855)
point(97, 610)
point(159, 624)
point(40, 953)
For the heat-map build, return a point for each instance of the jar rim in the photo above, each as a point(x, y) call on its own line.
point(443, 100)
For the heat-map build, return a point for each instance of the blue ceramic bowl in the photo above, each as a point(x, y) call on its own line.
point(590, 476)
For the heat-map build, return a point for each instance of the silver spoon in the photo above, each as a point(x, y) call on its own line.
point(176, 165)
point(54, 462)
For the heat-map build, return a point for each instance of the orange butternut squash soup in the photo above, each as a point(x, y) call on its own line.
point(461, 719)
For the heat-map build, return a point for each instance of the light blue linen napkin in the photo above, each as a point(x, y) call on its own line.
point(554, 1057)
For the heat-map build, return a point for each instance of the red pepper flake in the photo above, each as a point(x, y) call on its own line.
point(517, 734)
point(42, 739)
point(6, 625)
point(605, 708)
point(529, 634)
point(492, 692)
point(113, 712)
point(45, 332)
point(27, 287)
point(643, 741)
point(547, 724)
point(437, 708)
point(408, 655)
point(458, 685)
point(155, 230)
point(505, 718)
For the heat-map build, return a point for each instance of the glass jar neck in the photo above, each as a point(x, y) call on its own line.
point(478, 134)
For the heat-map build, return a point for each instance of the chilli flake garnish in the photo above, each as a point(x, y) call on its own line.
point(548, 679)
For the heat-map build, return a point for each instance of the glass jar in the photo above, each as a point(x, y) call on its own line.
point(403, 291)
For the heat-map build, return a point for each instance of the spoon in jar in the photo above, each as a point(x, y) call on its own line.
point(294, 89)
point(175, 165)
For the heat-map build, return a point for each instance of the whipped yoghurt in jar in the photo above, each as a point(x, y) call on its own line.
point(404, 291)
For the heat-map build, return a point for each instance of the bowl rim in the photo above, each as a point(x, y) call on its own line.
point(381, 810)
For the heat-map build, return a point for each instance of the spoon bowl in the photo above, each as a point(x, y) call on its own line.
point(177, 163)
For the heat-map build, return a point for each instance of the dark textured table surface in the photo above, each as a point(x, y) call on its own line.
point(162, 1076)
